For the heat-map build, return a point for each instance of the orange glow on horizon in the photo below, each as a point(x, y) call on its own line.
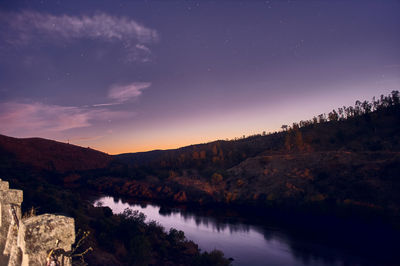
point(204, 128)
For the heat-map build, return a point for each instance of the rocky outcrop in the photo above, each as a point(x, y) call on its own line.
point(35, 240)
point(38, 235)
point(10, 212)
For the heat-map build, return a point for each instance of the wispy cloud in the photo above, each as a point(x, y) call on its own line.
point(36, 118)
point(26, 27)
point(104, 104)
point(142, 53)
point(123, 93)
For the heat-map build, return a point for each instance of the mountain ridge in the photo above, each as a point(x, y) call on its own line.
point(53, 155)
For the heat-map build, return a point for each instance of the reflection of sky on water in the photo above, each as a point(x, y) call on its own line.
point(245, 243)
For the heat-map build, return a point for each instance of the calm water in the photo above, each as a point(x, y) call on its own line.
point(247, 244)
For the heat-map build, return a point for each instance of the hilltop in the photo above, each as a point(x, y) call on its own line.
point(52, 155)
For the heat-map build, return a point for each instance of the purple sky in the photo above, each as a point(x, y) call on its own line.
point(125, 76)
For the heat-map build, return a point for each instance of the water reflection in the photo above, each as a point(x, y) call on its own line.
point(250, 244)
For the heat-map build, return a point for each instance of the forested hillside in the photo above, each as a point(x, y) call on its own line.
point(368, 126)
point(349, 157)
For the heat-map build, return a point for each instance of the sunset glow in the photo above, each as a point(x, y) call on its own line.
point(130, 76)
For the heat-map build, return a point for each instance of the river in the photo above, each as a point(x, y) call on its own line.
point(247, 243)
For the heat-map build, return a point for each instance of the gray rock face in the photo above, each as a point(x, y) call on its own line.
point(30, 241)
point(38, 235)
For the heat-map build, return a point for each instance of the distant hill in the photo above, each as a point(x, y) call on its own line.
point(367, 126)
point(52, 155)
point(138, 158)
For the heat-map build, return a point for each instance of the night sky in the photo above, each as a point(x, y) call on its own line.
point(127, 76)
